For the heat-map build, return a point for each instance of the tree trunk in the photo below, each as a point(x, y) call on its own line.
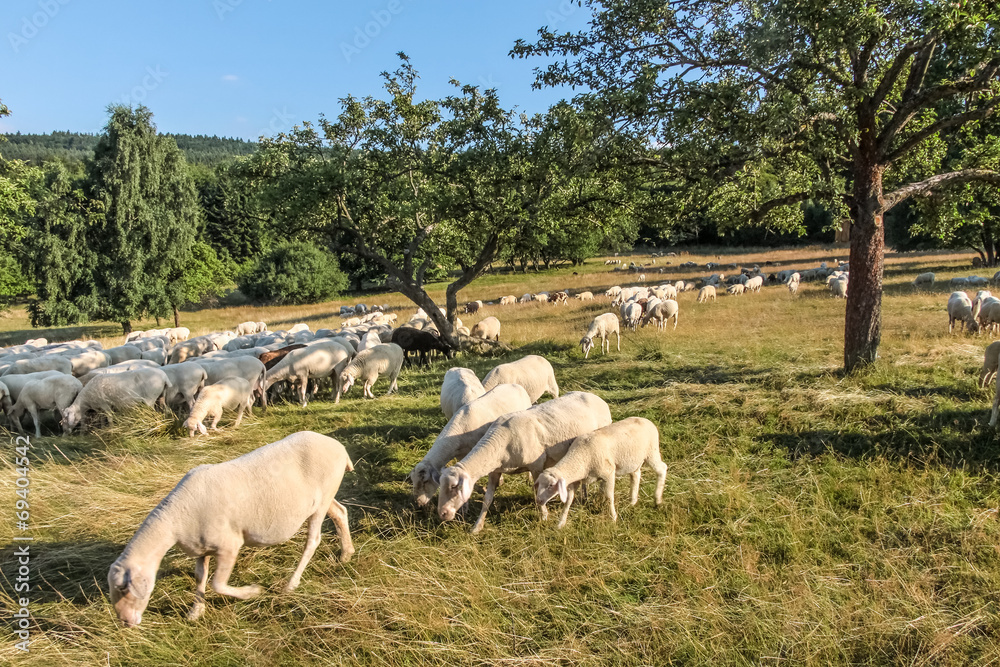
point(177, 317)
point(863, 322)
point(127, 327)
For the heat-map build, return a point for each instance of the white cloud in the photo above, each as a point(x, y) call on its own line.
point(230, 77)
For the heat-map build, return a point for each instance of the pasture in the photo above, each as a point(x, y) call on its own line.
point(809, 518)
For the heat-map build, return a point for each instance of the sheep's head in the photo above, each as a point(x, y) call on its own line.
point(425, 482)
point(71, 418)
point(586, 345)
point(130, 588)
point(549, 485)
point(455, 489)
point(346, 381)
point(192, 425)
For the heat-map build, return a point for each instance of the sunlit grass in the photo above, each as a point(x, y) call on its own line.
point(810, 518)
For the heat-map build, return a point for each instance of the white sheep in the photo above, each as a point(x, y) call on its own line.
point(261, 498)
point(754, 284)
point(508, 300)
point(111, 392)
point(55, 392)
point(460, 387)
point(384, 359)
point(839, 288)
point(584, 296)
point(464, 429)
point(991, 359)
point(488, 329)
point(50, 362)
point(525, 441)
point(662, 312)
point(705, 293)
point(231, 393)
point(602, 326)
point(326, 358)
point(157, 356)
point(244, 328)
point(736, 290)
point(15, 383)
point(609, 452)
point(186, 380)
point(632, 314)
point(924, 279)
point(532, 372)
point(960, 310)
point(369, 340)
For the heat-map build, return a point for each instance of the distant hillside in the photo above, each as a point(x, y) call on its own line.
point(74, 146)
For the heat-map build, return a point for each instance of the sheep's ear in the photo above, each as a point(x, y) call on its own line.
point(201, 427)
point(561, 487)
point(466, 486)
point(436, 476)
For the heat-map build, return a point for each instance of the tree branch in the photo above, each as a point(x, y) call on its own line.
point(940, 126)
point(934, 182)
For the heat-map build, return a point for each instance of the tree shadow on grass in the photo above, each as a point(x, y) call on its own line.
point(60, 334)
point(958, 439)
point(74, 572)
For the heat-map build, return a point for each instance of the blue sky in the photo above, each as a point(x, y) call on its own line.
point(245, 67)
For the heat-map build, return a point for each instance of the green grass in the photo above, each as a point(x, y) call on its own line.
point(809, 518)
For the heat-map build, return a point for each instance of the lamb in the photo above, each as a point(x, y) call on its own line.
point(177, 334)
point(736, 290)
point(56, 392)
point(50, 362)
point(633, 313)
point(989, 315)
point(705, 293)
point(793, 287)
point(508, 300)
point(991, 360)
point(368, 365)
point(532, 372)
point(244, 328)
point(584, 296)
point(560, 298)
point(662, 312)
point(115, 391)
point(460, 387)
point(247, 367)
point(261, 498)
point(488, 329)
point(603, 325)
point(525, 441)
point(328, 358)
point(613, 451)
point(839, 288)
point(229, 394)
point(982, 309)
point(525, 298)
point(924, 279)
point(473, 307)
point(613, 291)
point(464, 429)
point(960, 310)
point(754, 284)
point(186, 380)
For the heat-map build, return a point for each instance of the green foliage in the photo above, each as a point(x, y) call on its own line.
point(234, 224)
point(294, 273)
point(203, 276)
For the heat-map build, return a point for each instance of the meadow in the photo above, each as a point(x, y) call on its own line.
point(809, 517)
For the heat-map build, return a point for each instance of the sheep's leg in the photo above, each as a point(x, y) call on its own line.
point(570, 495)
point(33, 409)
point(303, 386)
point(225, 559)
point(491, 488)
point(392, 384)
point(619, 334)
point(239, 415)
point(609, 492)
point(312, 541)
point(201, 579)
point(635, 485)
point(996, 406)
point(661, 477)
point(216, 416)
point(338, 514)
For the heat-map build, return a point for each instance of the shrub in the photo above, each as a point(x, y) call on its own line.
point(294, 273)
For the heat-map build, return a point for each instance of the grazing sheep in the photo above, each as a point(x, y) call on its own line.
point(991, 359)
point(585, 296)
point(754, 284)
point(525, 298)
point(989, 315)
point(960, 310)
point(736, 290)
point(705, 293)
point(123, 367)
point(271, 358)
point(613, 451)
point(50, 362)
point(488, 329)
point(924, 279)
point(369, 340)
point(508, 300)
point(532, 372)
point(464, 429)
point(422, 342)
point(15, 383)
point(525, 441)
point(56, 392)
point(123, 353)
point(177, 334)
point(244, 328)
point(325, 359)
point(560, 298)
point(385, 359)
point(186, 380)
point(632, 315)
point(460, 387)
point(662, 312)
point(157, 356)
point(613, 291)
point(839, 288)
point(301, 326)
point(231, 393)
point(473, 307)
point(111, 392)
point(603, 326)
point(193, 347)
point(261, 498)
point(247, 367)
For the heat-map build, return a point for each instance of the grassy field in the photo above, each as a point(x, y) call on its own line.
point(810, 518)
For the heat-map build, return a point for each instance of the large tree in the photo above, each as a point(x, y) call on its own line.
point(417, 186)
point(144, 238)
point(758, 105)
